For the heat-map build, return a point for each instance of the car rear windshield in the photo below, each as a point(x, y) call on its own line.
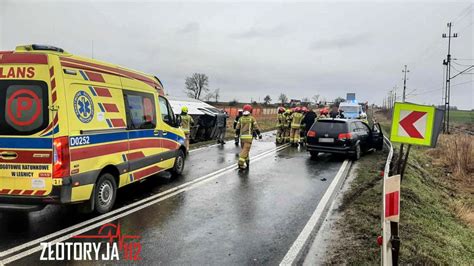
point(330, 126)
point(24, 107)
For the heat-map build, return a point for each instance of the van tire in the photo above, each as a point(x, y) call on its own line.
point(178, 167)
point(105, 193)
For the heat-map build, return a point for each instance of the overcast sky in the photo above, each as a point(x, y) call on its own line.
point(251, 49)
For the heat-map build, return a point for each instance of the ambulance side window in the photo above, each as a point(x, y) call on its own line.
point(141, 113)
point(166, 112)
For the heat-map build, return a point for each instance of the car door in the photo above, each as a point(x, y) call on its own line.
point(364, 134)
point(377, 137)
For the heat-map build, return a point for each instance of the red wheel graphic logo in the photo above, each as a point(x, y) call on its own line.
point(23, 103)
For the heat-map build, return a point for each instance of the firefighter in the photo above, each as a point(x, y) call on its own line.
point(245, 128)
point(186, 122)
point(308, 121)
point(296, 118)
point(323, 113)
point(281, 124)
point(287, 126)
point(236, 120)
point(304, 122)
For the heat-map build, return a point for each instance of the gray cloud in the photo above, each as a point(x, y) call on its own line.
point(189, 28)
point(259, 32)
point(341, 42)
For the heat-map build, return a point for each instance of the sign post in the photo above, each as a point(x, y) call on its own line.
point(412, 124)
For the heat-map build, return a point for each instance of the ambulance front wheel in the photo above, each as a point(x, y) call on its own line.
point(105, 193)
point(178, 164)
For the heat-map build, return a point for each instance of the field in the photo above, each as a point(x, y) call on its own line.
point(459, 117)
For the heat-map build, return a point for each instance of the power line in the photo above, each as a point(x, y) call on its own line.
point(457, 84)
point(464, 71)
point(463, 13)
point(454, 61)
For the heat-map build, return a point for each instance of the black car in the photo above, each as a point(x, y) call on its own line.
point(343, 136)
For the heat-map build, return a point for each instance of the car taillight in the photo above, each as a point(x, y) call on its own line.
point(61, 159)
point(344, 136)
point(311, 133)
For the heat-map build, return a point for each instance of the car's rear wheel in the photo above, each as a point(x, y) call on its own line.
point(314, 154)
point(178, 167)
point(357, 152)
point(105, 193)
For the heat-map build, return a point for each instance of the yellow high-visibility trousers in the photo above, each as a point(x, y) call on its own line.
point(295, 135)
point(280, 137)
point(186, 142)
point(244, 153)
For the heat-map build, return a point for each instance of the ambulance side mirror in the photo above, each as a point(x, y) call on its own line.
point(177, 120)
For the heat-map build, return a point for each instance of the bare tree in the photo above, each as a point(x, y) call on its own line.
point(196, 84)
point(267, 100)
point(305, 99)
point(282, 98)
point(208, 96)
point(217, 94)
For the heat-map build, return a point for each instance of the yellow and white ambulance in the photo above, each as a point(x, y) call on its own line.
point(74, 130)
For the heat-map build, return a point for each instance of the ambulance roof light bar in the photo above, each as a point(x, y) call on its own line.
point(39, 47)
point(47, 48)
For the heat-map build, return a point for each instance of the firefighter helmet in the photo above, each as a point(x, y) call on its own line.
point(281, 109)
point(184, 109)
point(298, 109)
point(247, 109)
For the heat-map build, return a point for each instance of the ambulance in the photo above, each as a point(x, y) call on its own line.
point(73, 130)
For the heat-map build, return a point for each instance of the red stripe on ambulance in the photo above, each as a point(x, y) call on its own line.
point(102, 92)
point(143, 144)
point(113, 69)
point(135, 155)
point(95, 76)
point(111, 108)
point(117, 122)
point(100, 150)
point(146, 172)
point(33, 157)
point(23, 58)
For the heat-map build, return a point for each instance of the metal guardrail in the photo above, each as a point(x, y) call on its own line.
point(386, 256)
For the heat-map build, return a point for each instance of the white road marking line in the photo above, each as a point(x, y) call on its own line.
point(141, 204)
point(300, 242)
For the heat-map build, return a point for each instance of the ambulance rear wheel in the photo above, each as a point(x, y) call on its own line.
point(178, 167)
point(105, 193)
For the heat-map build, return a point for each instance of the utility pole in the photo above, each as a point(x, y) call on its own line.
point(447, 63)
point(400, 155)
point(405, 71)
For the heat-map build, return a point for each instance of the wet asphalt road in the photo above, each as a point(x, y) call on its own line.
point(249, 217)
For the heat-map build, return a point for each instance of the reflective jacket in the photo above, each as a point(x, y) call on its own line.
point(281, 120)
point(186, 121)
point(288, 120)
point(247, 124)
point(296, 120)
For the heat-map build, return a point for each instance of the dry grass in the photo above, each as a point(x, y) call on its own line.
point(456, 153)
